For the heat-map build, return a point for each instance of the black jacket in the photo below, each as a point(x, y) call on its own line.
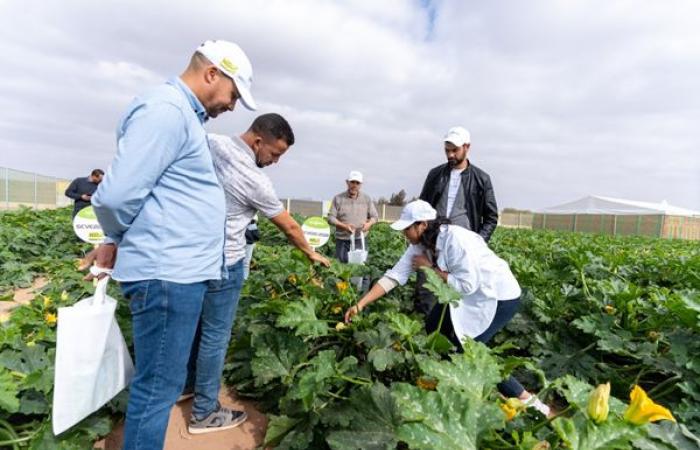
point(480, 200)
point(76, 189)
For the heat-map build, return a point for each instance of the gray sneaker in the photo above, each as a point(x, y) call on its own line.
point(221, 419)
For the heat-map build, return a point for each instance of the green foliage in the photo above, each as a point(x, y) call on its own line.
point(40, 243)
point(383, 383)
point(601, 308)
point(596, 309)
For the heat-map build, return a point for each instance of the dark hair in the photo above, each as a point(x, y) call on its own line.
point(273, 125)
point(430, 235)
point(97, 173)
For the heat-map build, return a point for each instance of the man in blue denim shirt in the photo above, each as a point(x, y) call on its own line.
point(161, 204)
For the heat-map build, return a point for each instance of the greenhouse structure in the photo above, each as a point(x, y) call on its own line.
point(614, 216)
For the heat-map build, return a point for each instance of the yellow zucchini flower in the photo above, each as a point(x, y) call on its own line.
point(598, 403)
point(643, 410)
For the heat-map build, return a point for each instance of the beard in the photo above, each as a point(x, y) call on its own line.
point(456, 161)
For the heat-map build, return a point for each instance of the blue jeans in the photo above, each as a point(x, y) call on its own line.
point(211, 341)
point(164, 316)
point(504, 312)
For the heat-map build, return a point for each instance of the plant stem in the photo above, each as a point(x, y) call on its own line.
point(355, 380)
point(663, 384)
point(336, 396)
point(500, 438)
point(439, 328)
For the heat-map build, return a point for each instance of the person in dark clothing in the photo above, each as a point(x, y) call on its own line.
point(252, 236)
point(461, 192)
point(82, 188)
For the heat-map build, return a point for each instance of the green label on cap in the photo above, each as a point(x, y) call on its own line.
point(229, 66)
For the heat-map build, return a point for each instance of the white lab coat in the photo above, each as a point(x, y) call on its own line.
point(474, 271)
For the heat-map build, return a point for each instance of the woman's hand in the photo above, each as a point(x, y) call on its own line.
point(420, 261)
point(351, 312)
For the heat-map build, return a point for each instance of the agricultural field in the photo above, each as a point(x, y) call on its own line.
point(596, 310)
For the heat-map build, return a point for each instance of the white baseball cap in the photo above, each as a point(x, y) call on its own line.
point(232, 61)
point(355, 176)
point(458, 136)
point(416, 211)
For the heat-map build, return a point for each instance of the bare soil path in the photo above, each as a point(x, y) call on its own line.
point(248, 436)
point(21, 297)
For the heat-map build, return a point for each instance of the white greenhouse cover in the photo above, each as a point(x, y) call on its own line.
point(594, 204)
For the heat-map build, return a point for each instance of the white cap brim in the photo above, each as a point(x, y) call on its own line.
point(246, 97)
point(401, 225)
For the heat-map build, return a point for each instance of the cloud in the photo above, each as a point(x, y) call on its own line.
point(562, 98)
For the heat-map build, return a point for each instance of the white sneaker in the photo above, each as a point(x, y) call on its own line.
point(536, 403)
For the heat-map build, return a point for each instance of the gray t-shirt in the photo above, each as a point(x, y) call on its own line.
point(355, 211)
point(247, 190)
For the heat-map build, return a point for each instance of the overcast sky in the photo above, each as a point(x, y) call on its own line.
point(562, 98)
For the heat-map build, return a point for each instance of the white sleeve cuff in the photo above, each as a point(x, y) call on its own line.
point(387, 283)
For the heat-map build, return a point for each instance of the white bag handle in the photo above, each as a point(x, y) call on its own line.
point(100, 295)
point(352, 240)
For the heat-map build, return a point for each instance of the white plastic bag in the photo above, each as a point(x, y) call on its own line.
point(92, 361)
point(358, 256)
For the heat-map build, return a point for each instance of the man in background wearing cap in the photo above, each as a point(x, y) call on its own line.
point(162, 205)
point(461, 192)
point(351, 212)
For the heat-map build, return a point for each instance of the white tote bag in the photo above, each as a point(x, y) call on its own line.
point(92, 361)
point(357, 256)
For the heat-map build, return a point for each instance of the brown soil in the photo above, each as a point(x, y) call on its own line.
point(21, 297)
point(248, 436)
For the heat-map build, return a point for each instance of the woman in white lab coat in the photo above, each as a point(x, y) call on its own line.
point(490, 292)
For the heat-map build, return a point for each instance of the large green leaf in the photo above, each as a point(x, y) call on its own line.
point(384, 358)
point(370, 420)
point(278, 427)
point(316, 379)
point(446, 419)
point(666, 434)
point(578, 393)
point(313, 379)
point(444, 293)
point(276, 356)
point(300, 315)
point(9, 391)
point(581, 434)
point(403, 325)
point(475, 371)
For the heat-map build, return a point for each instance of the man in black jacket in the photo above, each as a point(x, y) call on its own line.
point(82, 188)
point(461, 192)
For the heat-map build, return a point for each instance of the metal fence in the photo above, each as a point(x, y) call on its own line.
point(387, 213)
point(18, 188)
point(515, 219)
point(390, 213)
